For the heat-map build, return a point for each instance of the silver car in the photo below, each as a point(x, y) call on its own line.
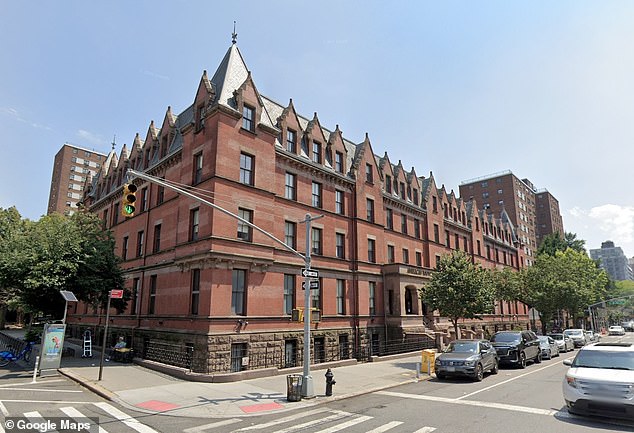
point(549, 347)
point(564, 342)
point(469, 358)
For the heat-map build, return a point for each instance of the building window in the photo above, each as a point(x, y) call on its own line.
point(136, 291)
point(144, 198)
point(340, 247)
point(456, 242)
point(478, 248)
point(193, 224)
point(389, 219)
point(248, 116)
point(415, 196)
point(371, 251)
point(238, 292)
point(437, 260)
point(419, 258)
point(316, 195)
point(316, 241)
point(339, 162)
point(390, 253)
point(290, 234)
point(402, 190)
point(465, 244)
point(315, 296)
point(369, 209)
point(247, 163)
point(416, 228)
point(245, 231)
point(160, 195)
point(341, 296)
point(372, 299)
point(447, 239)
point(405, 256)
point(152, 303)
point(388, 183)
point(291, 141)
point(198, 168)
point(195, 291)
point(485, 195)
point(157, 238)
point(316, 152)
point(339, 202)
point(289, 293)
point(436, 234)
point(434, 204)
point(290, 190)
point(139, 243)
point(404, 224)
point(115, 213)
point(369, 176)
point(124, 248)
point(199, 117)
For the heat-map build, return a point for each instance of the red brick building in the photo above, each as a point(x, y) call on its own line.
point(203, 281)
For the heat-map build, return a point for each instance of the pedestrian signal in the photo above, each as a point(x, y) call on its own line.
point(128, 204)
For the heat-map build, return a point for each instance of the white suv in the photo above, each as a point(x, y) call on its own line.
point(600, 380)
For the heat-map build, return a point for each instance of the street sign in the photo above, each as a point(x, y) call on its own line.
point(116, 294)
point(311, 273)
point(314, 284)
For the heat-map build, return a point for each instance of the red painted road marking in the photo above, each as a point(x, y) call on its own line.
point(261, 407)
point(158, 406)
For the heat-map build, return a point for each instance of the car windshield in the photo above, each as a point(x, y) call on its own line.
point(557, 336)
point(604, 359)
point(462, 347)
point(543, 339)
point(573, 332)
point(506, 338)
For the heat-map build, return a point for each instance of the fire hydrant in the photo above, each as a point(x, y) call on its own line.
point(330, 381)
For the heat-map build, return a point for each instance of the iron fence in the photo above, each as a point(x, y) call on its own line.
point(170, 354)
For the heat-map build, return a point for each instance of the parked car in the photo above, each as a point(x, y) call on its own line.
point(616, 330)
point(467, 358)
point(549, 347)
point(628, 326)
point(592, 337)
point(600, 380)
point(564, 342)
point(577, 335)
point(517, 347)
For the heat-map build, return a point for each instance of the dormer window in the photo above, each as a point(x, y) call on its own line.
point(248, 118)
point(199, 117)
point(388, 183)
point(291, 141)
point(368, 173)
point(316, 152)
point(339, 162)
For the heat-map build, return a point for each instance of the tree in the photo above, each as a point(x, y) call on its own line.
point(459, 289)
point(554, 242)
point(11, 257)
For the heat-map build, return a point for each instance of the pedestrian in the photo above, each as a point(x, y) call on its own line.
point(121, 344)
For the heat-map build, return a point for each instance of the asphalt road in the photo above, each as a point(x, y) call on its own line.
point(514, 400)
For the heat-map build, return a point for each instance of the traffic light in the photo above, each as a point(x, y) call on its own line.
point(128, 204)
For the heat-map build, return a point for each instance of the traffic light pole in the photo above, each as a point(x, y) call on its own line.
point(307, 383)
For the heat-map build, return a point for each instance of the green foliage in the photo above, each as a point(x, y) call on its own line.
point(460, 289)
point(554, 242)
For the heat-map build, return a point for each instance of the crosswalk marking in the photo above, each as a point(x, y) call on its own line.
point(284, 420)
point(426, 430)
point(74, 413)
point(346, 424)
point(35, 416)
point(385, 427)
point(202, 428)
point(338, 415)
point(125, 418)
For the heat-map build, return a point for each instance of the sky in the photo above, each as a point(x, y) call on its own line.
point(462, 89)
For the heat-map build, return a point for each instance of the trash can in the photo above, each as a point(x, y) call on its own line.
point(428, 357)
point(294, 387)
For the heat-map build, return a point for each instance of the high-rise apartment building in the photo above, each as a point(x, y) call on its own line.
point(72, 166)
point(535, 213)
point(613, 261)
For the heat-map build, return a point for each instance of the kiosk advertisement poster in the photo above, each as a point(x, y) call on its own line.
point(52, 345)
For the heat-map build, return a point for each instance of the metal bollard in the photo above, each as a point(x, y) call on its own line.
point(330, 381)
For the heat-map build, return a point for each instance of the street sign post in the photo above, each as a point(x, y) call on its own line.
point(314, 284)
point(116, 294)
point(310, 273)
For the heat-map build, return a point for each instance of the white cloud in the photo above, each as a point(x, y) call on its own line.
point(601, 223)
point(91, 138)
point(12, 112)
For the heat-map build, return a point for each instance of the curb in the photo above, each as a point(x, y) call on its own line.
point(93, 387)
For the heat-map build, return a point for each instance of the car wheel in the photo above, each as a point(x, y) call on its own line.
point(550, 354)
point(522, 361)
point(495, 368)
point(538, 358)
point(479, 373)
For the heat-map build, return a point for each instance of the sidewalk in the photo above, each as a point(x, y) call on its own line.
point(149, 391)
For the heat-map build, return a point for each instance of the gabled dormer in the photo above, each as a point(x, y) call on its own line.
point(315, 141)
point(291, 130)
point(364, 165)
point(413, 187)
point(387, 170)
point(205, 98)
point(136, 153)
point(166, 134)
point(336, 152)
point(400, 181)
point(249, 102)
point(430, 194)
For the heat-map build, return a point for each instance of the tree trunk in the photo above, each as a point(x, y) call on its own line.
point(3, 315)
point(456, 327)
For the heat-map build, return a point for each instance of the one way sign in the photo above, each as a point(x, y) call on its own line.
point(314, 284)
point(310, 273)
